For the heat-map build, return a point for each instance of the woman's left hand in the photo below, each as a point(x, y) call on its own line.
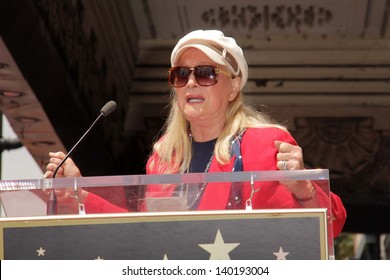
point(290, 157)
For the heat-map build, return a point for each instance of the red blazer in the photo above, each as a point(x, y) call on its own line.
point(258, 153)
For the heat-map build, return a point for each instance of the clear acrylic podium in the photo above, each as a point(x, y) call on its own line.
point(156, 224)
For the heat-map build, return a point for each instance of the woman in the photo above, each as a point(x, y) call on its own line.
point(211, 129)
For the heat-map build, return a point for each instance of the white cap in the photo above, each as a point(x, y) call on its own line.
point(219, 48)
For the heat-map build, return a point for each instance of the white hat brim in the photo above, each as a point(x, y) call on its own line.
point(213, 55)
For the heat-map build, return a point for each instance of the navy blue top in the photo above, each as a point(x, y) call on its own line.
point(201, 155)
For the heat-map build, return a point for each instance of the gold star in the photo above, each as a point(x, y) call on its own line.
point(41, 252)
point(281, 255)
point(219, 250)
point(99, 258)
point(165, 257)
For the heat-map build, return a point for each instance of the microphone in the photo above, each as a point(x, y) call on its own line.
point(106, 110)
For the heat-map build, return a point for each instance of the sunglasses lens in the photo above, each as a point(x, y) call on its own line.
point(178, 76)
point(204, 75)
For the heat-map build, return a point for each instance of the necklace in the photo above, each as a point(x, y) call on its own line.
point(200, 192)
point(193, 197)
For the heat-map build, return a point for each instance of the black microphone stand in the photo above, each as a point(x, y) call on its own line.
point(107, 109)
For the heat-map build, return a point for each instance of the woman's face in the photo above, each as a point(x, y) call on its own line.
point(204, 104)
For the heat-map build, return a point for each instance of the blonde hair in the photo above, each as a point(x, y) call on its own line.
point(174, 147)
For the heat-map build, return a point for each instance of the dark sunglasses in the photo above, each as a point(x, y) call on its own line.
point(205, 75)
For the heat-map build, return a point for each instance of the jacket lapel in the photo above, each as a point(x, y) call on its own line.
point(216, 195)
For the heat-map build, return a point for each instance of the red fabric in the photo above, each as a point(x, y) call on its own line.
point(94, 204)
point(258, 153)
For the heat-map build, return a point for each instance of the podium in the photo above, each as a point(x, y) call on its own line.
point(158, 226)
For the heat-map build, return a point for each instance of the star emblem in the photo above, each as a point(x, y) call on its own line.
point(219, 250)
point(41, 252)
point(99, 258)
point(281, 255)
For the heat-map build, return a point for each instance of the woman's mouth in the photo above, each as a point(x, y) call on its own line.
point(195, 99)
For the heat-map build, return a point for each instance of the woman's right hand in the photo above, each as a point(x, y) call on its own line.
point(68, 168)
point(66, 199)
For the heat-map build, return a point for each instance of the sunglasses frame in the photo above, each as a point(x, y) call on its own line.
point(192, 69)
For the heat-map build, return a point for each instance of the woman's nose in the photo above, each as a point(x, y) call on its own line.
point(191, 80)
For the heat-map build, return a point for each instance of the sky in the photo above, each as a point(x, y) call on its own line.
point(17, 164)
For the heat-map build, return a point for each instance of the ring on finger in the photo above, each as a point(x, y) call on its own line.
point(284, 167)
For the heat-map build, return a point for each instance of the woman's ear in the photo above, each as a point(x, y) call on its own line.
point(236, 84)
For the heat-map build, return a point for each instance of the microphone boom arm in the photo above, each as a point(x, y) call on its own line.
point(107, 109)
point(78, 142)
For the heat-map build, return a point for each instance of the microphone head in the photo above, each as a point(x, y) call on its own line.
point(108, 108)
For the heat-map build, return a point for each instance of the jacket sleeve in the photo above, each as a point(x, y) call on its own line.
point(259, 153)
point(95, 204)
